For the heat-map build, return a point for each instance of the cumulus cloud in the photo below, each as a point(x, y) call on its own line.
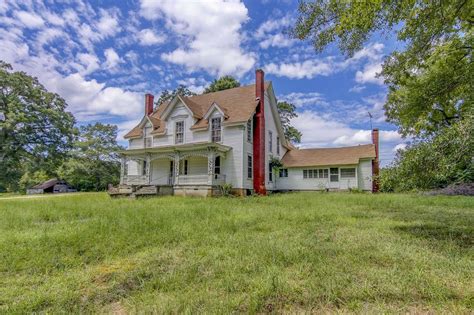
point(29, 19)
point(208, 33)
point(147, 37)
point(112, 59)
point(310, 68)
point(108, 24)
point(270, 33)
point(299, 70)
point(304, 99)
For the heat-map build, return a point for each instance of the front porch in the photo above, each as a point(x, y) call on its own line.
point(196, 167)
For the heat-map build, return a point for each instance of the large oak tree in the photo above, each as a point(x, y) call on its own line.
point(36, 131)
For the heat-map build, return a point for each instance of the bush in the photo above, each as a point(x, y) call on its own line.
point(29, 180)
point(226, 189)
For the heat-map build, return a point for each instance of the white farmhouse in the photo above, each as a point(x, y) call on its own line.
point(194, 145)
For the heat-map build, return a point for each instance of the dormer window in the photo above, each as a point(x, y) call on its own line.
point(179, 132)
point(216, 129)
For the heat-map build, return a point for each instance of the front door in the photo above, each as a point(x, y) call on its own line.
point(334, 178)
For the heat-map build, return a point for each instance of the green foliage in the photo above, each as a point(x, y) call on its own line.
point(29, 180)
point(275, 163)
point(94, 161)
point(294, 253)
point(430, 80)
point(36, 132)
point(226, 189)
point(287, 112)
point(167, 96)
point(442, 160)
point(223, 83)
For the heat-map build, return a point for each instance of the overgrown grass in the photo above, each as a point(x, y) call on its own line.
point(289, 252)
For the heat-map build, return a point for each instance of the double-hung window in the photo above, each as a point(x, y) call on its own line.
point(283, 172)
point(278, 145)
point(270, 173)
point(216, 129)
point(348, 172)
point(270, 141)
point(179, 132)
point(249, 130)
point(249, 166)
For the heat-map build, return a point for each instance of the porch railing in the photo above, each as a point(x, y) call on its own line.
point(198, 179)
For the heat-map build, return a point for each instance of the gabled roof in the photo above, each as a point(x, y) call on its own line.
point(49, 183)
point(238, 104)
point(328, 156)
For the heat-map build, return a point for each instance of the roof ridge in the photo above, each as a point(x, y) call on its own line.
point(344, 147)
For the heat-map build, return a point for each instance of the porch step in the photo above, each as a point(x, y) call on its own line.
point(147, 190)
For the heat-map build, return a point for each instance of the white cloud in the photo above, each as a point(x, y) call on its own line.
point(147, 37)
point(304, 99)
point(311, 68)
point(208, 33)
point(299, 70)
point(112, 59)
point(108, 24)
point(270, 33)
point(365, 136)
point(368, 74)
point(400, 146)
point(29, 19)
point(89, 62)
point(357, 88)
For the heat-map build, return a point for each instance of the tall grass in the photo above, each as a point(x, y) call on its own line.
point(288, 252)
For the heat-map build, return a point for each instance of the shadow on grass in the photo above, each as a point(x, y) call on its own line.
point(461, 237)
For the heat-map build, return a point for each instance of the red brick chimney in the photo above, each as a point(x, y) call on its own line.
point(375, 163)
point(149, 104)
point(259, 136)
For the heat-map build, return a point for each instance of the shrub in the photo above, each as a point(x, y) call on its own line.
point(226, 189)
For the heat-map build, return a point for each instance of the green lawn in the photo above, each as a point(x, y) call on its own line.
point(289, 252)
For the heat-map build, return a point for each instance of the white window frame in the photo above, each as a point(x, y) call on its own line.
point(270, 141)
point(176, 131)
point(283, 172)
point(345, 176)
point(278, 145)
point(249, 166)
point(249, 130)
point(217, 131)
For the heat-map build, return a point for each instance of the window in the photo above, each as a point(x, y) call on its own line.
point(216, 129)
point(217, 165)
point(249, 166)
point(185, 170)
point(283, 172)
point(316, 173)
point(334, 174)
point(270, 141)
point(348, 172)
point(249, 130)
point(144, 168)
point(179, 132)
point(278, 145)
point(270, 173)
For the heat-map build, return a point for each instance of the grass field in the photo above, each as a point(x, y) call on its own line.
point(289, 252)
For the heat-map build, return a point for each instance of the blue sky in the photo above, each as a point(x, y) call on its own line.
point(103, 56)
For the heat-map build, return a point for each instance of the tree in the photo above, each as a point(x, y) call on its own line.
point(444, 159)
point(223, 83)
point(287, 112)
point(430, 80)
point(167, 96)
point(35, 130)
point(94, 161)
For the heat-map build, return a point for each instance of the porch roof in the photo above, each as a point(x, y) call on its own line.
point(179, 147)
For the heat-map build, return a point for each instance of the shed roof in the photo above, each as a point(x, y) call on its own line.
point(49, 183)
point(328, 156)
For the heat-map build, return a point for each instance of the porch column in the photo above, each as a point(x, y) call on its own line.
point(176, 168)
point(148, 167)
point(211, 157)
point(123, 161)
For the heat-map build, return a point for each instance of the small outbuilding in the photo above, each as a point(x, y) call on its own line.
point(53, 185)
